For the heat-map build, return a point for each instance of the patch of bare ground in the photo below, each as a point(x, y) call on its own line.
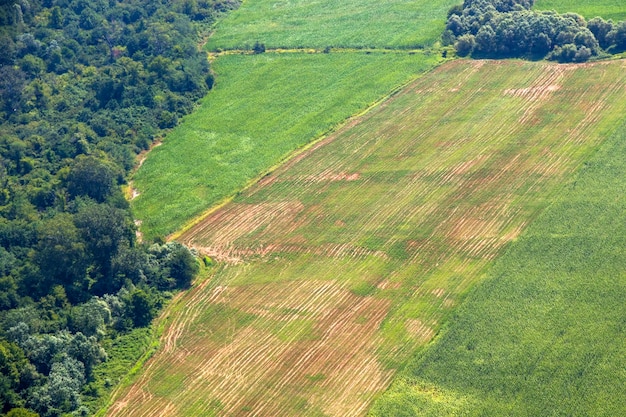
point(328, 176)
point(417, 328)
point(224, 227)
point(261, 373)
point(438, 292)
point(388, 285)
point(540, 91)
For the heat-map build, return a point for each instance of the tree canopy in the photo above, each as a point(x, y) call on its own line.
point(85, 85)
point(509, 28)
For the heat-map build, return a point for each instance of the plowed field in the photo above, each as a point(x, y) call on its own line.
point(335, 268)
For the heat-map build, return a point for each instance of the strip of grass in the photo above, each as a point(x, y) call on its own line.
point(608, 9)
point(263, 107)
point(350, 23)
point(544, 335)
point(123, 354)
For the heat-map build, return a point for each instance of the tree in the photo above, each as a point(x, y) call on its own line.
point(617, 37)
point(173, 265)
point(61, 258)
point(104, 229)
point(12, 361)
point(56, 18)
point(87, 351)
point(258, 47)
point(91, 318)
point(141, 308)
point(485, 40)
point(12, 82)
point(91, 177)
point(465, 44)
point(61, 393)
point(600, 29)
point(182, 265)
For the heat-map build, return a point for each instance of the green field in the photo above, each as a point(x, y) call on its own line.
point(262, 108)
point(317, 24)
point(608, 9)
point(342, 264)
point(544, 335)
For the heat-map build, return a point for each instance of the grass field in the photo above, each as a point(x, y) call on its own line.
point(342, 263)
point(263, 108)
point(608, 9)
point(317, 24)
point(544, 335)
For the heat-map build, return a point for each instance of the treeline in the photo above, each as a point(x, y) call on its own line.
point(84, 86)
point(509, 28)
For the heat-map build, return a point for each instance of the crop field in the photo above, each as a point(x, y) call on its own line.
point(346, 24)
point(341, 264)
point(544, 334)
point(608, 9)
point(262, 108)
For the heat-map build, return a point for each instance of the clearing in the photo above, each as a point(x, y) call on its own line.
point(342, 263)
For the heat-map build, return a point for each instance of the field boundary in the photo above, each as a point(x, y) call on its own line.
point(313, 144)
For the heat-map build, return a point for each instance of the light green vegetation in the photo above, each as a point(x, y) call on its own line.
point(342, 264)
point(262, 108)
point(317, 24)
point(607, 9)
point(544, 335)
point(123, 353)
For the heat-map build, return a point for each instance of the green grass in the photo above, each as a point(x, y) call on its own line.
point(544, 335)
point(607, 9)
point(347, 261)
point(122, 355)
point(262, 108)
point(317, 24)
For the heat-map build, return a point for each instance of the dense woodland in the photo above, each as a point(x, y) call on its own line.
point(85, 85)
point(508, 28)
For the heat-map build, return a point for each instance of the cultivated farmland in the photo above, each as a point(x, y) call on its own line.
point(608, 9)
point(340, 264)
point(262, 108)
point(544, 334)
point(345, 24)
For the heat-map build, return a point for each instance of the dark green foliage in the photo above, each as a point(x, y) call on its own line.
point(61, 258)
point(173, 264)
point(141, 308)
point(495, 28)
point(600, 29)
point(84, 86)
point(91, 177)
point(465, 44)
point(617, 37)
point(258, 48)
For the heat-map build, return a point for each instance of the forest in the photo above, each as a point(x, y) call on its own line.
point(509, 28)
point(85, 85)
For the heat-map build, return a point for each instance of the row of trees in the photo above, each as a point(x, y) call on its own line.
point(509, 28)
point(84, 86)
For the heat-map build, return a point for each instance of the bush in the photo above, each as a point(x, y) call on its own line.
point(465, 45)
